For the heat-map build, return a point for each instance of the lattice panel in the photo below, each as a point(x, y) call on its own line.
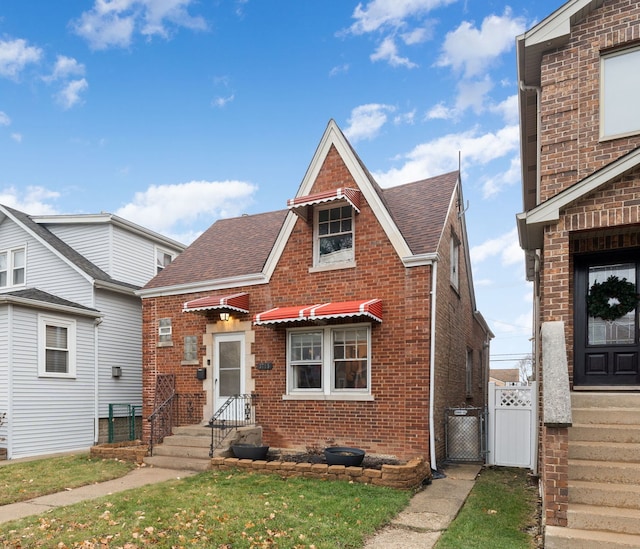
point(165, 387)
point(515, 398)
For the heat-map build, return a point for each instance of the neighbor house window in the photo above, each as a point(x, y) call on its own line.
point(56, 347)
point(455, 262)
point(619, 82)
point(190, 348)
point(334, 235)
point(332, 360)
point(164, 332)
point(12, 268)
point(163, 258)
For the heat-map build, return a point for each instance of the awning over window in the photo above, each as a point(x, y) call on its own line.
point(300, 203)
point(235, 302)
point(371, 308)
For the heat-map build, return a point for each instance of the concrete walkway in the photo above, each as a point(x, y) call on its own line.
point(419, 526)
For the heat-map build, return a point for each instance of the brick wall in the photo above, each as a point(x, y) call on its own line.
point(571, 151)
point(396, 421)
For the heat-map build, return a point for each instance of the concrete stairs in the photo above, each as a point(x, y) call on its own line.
point(188, 447)
point(604, 474)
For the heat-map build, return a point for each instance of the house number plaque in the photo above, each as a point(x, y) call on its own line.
point(264, 366)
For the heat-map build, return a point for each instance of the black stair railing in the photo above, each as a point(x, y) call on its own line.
point(237, 411)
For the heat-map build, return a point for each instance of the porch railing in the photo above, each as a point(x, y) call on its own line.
point(237, 411)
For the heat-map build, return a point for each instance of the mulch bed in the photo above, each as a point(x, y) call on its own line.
point(369, 462)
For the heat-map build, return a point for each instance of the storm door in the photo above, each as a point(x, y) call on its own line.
point(606, 347)
point(228, 378)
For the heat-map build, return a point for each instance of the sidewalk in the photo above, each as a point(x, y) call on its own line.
point(417, 527)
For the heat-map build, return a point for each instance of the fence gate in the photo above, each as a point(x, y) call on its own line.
point(512, 426)
point(465, 434)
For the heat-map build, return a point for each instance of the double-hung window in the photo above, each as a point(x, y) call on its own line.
point(163, 259)
point(56, 347)
point(12, 268)
point(331, 360)
point(334, 240)
point(619, 83)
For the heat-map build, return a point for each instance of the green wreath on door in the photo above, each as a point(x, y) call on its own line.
point(611, 299)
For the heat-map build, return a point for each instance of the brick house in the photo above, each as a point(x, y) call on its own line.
point(350, 314)
point(580, 229)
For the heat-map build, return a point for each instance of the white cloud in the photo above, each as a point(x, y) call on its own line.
point(472, 50)
point(221, 102)
point(112, 23)
point(508, 109)
point(176, 208)
point(378, 14)
point(387, 51)
point(366, 120)
point(471, 95)
point(70, 93)
point(405, 118)
point(499, 181)
point(32, 200)
point(17, 137)
point(15, 55)
point(339, 69)
point(506, 247)
point(441, 155)
point(65, 67)
point(440, 112)
point(4, 119)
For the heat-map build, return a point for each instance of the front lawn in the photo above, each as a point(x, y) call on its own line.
point(218, 509)
point(25, 480)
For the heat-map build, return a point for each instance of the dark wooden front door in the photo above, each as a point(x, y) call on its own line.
point(606, 352)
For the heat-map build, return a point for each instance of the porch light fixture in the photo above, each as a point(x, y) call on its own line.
point(224, 316)
point(116, 371)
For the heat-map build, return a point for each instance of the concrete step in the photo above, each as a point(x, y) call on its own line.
point(192, 431)
point(607, 519)
point(609, 416)
point(622, 399)
point(604, 471)
point(605, 433)
point(187, 440)
point(569, 538)
point(198, 452)
point(604, 494)
point(170, 462)
point(604, 451)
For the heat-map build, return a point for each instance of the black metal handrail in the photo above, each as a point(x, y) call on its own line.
point(237, 411)
point(161, 420)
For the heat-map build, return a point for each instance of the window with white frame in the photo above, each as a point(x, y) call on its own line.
point(334, 236)
point(454, 258)
point(330, 360)
point(165, 332)
point(56, 346)
point(12, 267)
point(619, 81)
point(163, 258)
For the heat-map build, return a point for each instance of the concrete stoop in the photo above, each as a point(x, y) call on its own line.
point(604, 474)
point(188, 447)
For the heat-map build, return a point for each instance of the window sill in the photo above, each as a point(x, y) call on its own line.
point(165, 344)
point(51, 375)
point(332, 267)
point(321, 396)
point(190, 363)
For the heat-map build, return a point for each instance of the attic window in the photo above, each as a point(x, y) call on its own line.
point(163, 258)
point(334, 236)
point(12, 268)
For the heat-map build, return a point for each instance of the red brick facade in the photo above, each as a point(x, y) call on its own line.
point(394, 420)
point(603, 219)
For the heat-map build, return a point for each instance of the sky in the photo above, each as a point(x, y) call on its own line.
point(175, 113)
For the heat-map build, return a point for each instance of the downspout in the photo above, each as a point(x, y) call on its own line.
point(96, 381)
point(9, 417)
point(432, 358)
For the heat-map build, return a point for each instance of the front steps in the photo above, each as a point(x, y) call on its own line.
point(188, 447)
point(604, 474)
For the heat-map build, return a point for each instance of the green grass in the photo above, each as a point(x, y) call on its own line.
point(499, 513)
point(236, 509)
point(29, 479)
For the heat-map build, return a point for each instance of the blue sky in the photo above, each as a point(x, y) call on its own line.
point(174, 113)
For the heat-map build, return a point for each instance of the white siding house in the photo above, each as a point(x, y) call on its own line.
point(69, 315)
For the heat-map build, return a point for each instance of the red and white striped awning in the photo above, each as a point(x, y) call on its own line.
point(235, 302)
point(299, 204)
point(371, 308)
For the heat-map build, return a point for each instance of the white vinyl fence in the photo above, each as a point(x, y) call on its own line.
point(512, 426)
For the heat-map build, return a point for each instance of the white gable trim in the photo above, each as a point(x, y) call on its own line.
point(558, 24)
point(333, 136)
point(531, 223)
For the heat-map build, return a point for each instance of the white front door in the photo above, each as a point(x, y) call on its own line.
point(228, 376)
